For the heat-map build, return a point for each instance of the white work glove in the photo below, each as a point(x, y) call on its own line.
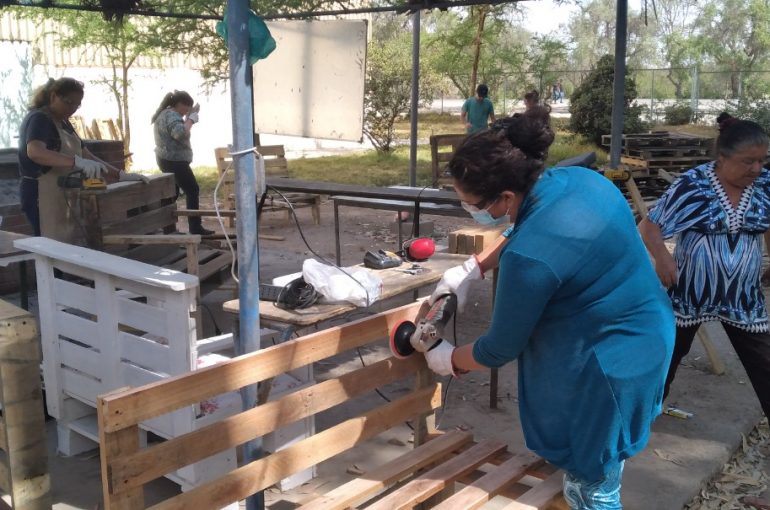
point(439, 358)
point(457, 281)
point(92, 169)
point(133, 176)
point(193, 117)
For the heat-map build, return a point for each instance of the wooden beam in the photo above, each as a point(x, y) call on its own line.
point(150, 463)
point(184, 239)
point(265, 472)
point(349, 494)
point(444, 475)
point(136, 405)
point(224, 213)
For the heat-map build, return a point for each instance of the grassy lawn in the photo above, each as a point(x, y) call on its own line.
point(372, 169)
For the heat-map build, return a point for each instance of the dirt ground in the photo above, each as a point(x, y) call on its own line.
point(682, 457)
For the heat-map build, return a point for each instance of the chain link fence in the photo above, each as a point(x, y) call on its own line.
point(666, 94)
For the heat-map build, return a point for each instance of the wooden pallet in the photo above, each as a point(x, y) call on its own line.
point(660, 139)
point(649, 153)
point(424, 477)
point(672, 164)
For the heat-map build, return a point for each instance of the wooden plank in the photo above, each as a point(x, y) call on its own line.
point(211, 267)
point(265, 472)
point(116, 444)
point(636, 197)
point(540, 495)
point(144, 274)
point(443, 475)
point(137, 405)
point(224, 213)
point(144, 352)
point(146, 317)
point(151, 463)
point(143, 223)
point(488, 486)
point(349, 494)
point(184, 239)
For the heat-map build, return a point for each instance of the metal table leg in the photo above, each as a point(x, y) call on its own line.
point(337, 232)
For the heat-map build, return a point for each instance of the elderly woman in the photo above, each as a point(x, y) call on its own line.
point(719, 212)
point(577, 304)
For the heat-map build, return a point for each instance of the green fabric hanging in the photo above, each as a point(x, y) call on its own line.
point(261, 43)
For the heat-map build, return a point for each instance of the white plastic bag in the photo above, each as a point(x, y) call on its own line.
point(335, 285)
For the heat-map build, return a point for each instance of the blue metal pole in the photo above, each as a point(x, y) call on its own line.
point(619, 85)
point(245, 203)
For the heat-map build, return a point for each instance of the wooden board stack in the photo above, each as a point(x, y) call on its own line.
point(473, 240)
point(664, 150)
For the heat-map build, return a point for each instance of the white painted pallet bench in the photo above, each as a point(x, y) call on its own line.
point(107, 322)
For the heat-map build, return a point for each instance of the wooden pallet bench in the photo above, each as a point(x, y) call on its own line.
point(442, 148)
point(107, 322)
point(444, 470)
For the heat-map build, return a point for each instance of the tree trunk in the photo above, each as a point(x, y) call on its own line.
point(482, 12)
point(676, 83)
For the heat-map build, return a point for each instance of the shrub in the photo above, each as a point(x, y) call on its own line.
point(591, 103)
point(678, 114)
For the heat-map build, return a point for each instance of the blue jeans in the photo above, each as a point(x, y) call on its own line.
point(602, 494)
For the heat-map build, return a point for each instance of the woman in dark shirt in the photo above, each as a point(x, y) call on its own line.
point(49, 148)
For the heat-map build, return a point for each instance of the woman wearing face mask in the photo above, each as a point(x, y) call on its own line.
point(577, 304)
point(48, 149)
point(719, 211)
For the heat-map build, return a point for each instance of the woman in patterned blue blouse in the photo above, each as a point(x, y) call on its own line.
point(719, 211)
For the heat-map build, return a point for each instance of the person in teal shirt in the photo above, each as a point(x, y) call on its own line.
point(578, 304)
point(478, 111)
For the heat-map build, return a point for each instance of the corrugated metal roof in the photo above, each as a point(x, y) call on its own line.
point(48, 52)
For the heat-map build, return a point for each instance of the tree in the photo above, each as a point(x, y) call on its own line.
point(389, 89)
point(14, 100)
point(675, 32)
point(471, 46)
point(120, 43)
point(591, 103)
point(735, 35)
point(592, 34)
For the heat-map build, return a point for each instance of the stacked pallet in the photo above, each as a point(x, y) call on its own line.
point(664, 150)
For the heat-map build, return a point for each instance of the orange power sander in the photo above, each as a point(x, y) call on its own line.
point(409, 337)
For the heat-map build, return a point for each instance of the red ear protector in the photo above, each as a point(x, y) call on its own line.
point(419, 249)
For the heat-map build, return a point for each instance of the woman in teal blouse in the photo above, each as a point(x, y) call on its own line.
point(578, 304)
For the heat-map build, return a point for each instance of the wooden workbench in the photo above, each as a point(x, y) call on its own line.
point(394, 283)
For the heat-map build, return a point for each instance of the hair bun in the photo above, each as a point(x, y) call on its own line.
point(529, 132)
point(725, 120)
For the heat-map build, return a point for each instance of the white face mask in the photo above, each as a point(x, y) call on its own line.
point(485, 218)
